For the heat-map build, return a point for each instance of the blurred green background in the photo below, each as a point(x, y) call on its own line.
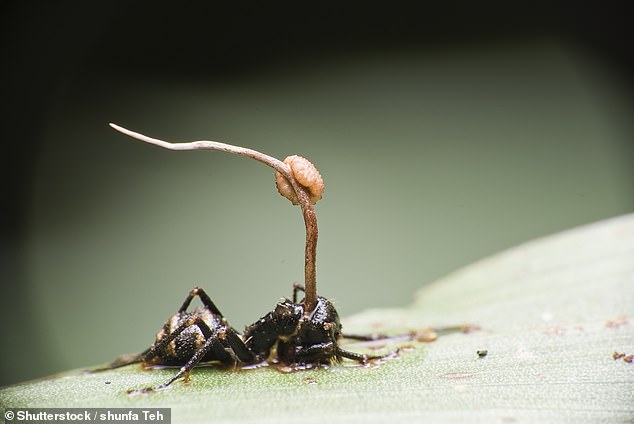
point(441, 141)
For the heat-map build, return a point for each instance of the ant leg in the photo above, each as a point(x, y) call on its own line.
point(366, 337)
point(233, 340)
point(237, 346)
point(217, 340)
point(226, 337)
point(297, 287)
point(329, 349)
point(414, 334)
point(315, 352)
point(204, 298)
point(184, 371)
point(360, 357)
point(160, 345)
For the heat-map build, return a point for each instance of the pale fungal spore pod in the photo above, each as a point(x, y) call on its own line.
point(305, 174)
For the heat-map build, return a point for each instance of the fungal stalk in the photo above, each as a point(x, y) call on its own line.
point(296, 178)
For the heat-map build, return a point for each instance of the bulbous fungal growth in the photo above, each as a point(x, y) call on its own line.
point(306, 175)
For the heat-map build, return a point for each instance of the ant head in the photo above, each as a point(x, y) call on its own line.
point(323, 323)
point(287, 316)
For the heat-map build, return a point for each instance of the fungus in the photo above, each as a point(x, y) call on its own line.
point(305, 174)
point(296, 178)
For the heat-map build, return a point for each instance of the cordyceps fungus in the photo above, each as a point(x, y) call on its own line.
point(293, 335)
point(296, 178)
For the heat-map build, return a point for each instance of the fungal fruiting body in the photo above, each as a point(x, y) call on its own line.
point(305, 174)
point(297, 179)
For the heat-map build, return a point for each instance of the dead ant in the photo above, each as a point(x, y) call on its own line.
point(287, 336)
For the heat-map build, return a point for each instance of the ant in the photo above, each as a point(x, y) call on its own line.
point(287, 335)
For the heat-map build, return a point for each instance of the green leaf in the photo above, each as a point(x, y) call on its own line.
point(552, 313)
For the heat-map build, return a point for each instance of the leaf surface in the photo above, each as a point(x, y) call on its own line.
point(551, 314)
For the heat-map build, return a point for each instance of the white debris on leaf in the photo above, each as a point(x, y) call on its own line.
point(305, 174)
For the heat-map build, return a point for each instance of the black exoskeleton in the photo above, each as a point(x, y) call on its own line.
point(286, 336)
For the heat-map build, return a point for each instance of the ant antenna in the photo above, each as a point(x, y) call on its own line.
point(302, 195)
